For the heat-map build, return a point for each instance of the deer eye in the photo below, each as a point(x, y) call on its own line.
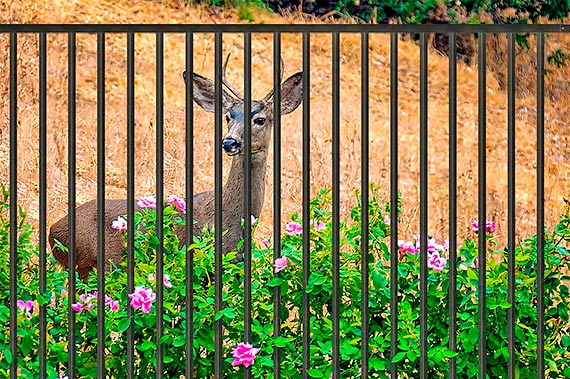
point(227, 119)
point(259, 121)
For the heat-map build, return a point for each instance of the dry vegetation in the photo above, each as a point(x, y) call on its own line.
point(104, 11)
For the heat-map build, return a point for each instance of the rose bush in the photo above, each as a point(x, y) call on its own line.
point(286, 274)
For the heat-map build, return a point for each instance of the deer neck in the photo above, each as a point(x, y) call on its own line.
point(234, 191)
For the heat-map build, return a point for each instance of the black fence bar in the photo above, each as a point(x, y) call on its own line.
point(71, 198)
point(286, 28)
point(423, 203)
point(336, 292)
point(394, 253)
point(482, 258)
point(130, 198)
point(306, 202)
point(540, 204)
point(247, 192)
point(101, 205)
point(364, 183)
point(43, 198)
point(277, 73)
point(189, 105)
point(160, 202)
point(218, 205)
point(452, 202)
point(13, 202)
point(511, 202)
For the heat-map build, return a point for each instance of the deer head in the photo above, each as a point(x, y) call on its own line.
point(233, 108)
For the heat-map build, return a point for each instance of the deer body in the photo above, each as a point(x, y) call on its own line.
point(203, 203)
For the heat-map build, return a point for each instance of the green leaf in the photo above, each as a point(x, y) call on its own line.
point(280, 341)
point(123, 325)
point(314, 373)
point(219, 315)
point(275, 282)
point(399, 357)
point(267, 362)
point(448, 353)
point(377, 280)
point(146, 345)
point(179, 341)
point(317, 279)
point(41, 300)
point(229, 313)
point(8, 354)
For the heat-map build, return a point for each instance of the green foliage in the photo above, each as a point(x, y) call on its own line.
point(525, 10)
point(289, 282)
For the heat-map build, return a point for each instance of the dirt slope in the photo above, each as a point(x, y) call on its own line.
point(103, 11)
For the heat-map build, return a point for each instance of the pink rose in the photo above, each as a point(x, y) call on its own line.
point(408, 247)
point(293, 227)
point(436, 262)
point(26, 307)
point(490, 226)
point(142, 298)
point(318, 225)
point(119, 224)
point(165, 279)
point(147, 202)
point(178, 202)
point(281, 263)
point(244, 354)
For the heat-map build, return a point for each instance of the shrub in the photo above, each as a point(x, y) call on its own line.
point(290, 282)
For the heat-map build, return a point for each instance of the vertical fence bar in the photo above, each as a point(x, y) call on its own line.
point(101, 205)
point(159, 201)
point(277, 73)
point(190, 206)
point(482, 114)
point(247, 192)
point(43, 199)
point(218, 205)
point(306, 202)
point(540, 203)
point(423, 203)
point(511, 203)
point(130, 198)
point(394, 202)
point(452, 202)
point(13, 203)
point(71, 158)
point(364, 182)
point(336, 292)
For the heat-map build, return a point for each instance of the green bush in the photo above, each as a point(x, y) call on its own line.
point(290, 282)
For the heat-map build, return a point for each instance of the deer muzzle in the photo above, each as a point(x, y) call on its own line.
point(231, 146)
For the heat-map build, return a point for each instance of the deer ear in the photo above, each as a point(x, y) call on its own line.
point(291, 93)
point(204, 93)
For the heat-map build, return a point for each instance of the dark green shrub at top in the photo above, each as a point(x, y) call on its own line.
point(289, 280)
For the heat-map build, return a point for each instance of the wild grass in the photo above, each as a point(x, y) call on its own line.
point(557, 180)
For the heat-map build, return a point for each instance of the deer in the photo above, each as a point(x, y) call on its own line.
point(203, 203)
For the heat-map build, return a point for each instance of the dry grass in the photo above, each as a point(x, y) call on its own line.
point(105, 11)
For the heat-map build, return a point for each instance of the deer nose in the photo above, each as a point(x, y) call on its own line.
point(231, 145)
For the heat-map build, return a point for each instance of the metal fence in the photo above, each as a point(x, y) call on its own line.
point(277, 30)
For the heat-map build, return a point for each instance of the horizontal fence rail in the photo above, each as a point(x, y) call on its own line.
point(217, 321)
point(287, 28)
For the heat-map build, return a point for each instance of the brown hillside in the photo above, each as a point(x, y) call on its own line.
point(104, 11)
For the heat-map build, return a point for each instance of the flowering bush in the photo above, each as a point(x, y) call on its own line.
point(286, 273)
